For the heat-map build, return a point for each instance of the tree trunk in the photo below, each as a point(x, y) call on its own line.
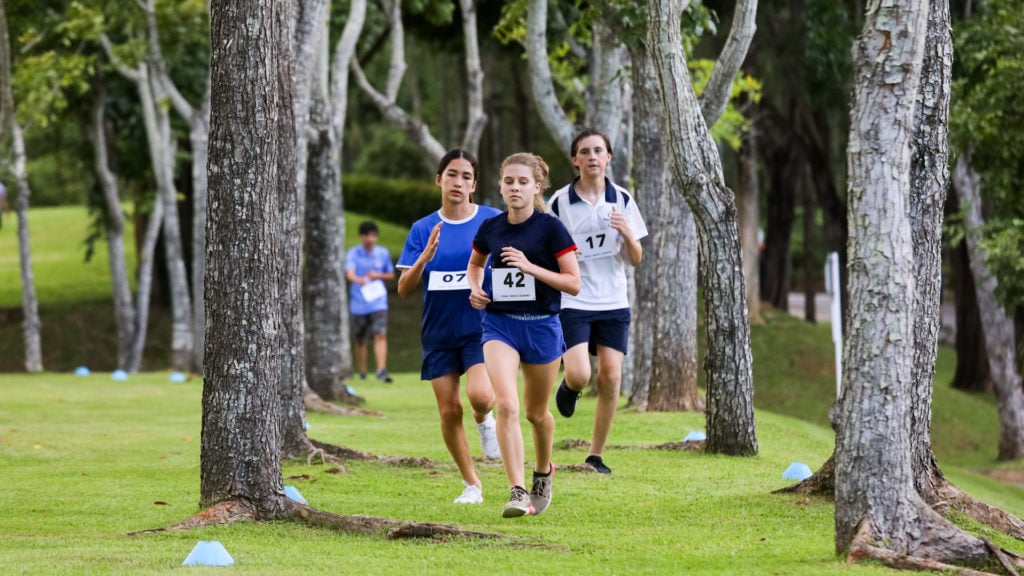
point(323, 278)
point(199, 137)
point(252, 169)
point(1000, 336)
point(144, 290)
point(876, 499)
point(124, 308)
point(778, 230)
point(747, 201)
point(972, 372)
point(698, 174)
point(810, 269)
point(665, 313)
point(29, 301)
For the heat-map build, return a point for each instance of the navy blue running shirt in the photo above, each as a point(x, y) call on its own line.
point(542, 238)
point(448, 318)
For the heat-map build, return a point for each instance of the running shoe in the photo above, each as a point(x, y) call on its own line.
point(518, 503)
point(540, 492)
point(565, 399)
point(598, 464)
point(489, 438)
point(470, 495)
point(383, 376)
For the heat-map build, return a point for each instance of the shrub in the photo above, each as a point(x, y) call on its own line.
point(400, 202)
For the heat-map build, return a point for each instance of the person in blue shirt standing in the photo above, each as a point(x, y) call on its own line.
point(436, 252)
point(367, 267)
point(532, 261)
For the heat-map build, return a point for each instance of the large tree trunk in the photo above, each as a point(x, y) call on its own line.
point(29, 301)
point(876, 499)
point(747, 201)
point(665, 313)
point(697, 169)
point(124, 308)
point(1000, 336)
point(251, 174)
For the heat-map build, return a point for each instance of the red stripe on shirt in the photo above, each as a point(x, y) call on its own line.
point(566, 251)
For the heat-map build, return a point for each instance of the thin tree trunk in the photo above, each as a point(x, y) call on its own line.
point(1000, 335)
point(665, 313)
point(146, 258)
point(698, 174)
point(778, 230)
point(29, 301)
point(124, 308)
point(747, 204)
point(972, 371)
point(810, 245)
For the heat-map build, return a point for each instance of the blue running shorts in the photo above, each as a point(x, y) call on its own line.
point(536, 337)
point(598, 328)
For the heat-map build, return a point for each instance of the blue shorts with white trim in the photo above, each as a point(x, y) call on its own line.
point(536, 337)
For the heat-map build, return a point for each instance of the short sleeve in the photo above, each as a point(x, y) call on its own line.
point(350, 259)
point(386, 265)
point(635, 220)
point(480, 243)
point(560, 241)
point(414, 245)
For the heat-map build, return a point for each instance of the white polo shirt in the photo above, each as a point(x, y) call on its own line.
point(599, 246)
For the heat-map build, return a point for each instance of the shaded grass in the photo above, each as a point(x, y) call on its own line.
point(86, 460)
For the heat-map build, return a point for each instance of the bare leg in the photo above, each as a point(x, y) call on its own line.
point(479, 392)
point(538, 380)
point(609, 378)
point(380, 351)
point(503, 369)
point(361, 356)
point(577, 366)
point(446, 391)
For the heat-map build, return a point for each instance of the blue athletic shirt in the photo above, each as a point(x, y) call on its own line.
point(542, 238)
point(358, 259)
point(448, 318)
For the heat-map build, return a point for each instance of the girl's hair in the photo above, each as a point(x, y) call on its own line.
point(589, 132)
point(539, 168)
point(458, 153)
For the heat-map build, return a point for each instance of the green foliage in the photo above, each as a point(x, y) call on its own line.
point(400, 202)
point(42, 82)
point(986, 104)
point(733, 123)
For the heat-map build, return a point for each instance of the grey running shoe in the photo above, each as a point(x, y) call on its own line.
point(598, 464)
point(518, 503)
point(383, 376)
point(540, 492)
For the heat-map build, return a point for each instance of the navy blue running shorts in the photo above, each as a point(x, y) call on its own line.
point(601, 328)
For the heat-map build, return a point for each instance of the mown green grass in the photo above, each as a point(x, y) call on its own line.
point(87, 460)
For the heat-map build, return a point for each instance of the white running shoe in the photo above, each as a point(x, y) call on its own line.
point(489, 438)
point(470, 495)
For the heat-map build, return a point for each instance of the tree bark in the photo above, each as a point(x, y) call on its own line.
point(124, 307)
point(29, 300)
point(698, 174)
point(779, 229)
point(876, 499)
point(251, 174)
point(665, 313)
point(810, 270)
point(1000, 335)
point(972, 371)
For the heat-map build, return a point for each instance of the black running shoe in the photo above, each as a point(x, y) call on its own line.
point(598, 465)
point(565, 399)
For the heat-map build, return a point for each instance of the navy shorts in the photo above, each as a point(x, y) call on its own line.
point(366, 325)
point(537, 338)
point(598, 328)
point(437, 363)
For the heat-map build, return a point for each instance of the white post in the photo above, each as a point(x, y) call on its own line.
point(832, 286)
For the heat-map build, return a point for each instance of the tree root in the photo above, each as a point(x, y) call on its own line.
point(945, 497)
point(231, 511)
point(345, 453)
point(862, 548)
point(691, 446)
point(314, 403)
point(821, 483)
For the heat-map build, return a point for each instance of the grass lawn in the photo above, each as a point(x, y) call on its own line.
point(86, 460)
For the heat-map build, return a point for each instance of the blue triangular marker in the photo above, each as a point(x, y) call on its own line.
point(293, 493)
point(797, 471)
point(695, 436)
point(177, 377)
point(118, 375)
point(81, 371)
point(210, 553)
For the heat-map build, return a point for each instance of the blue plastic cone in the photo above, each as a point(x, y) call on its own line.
point(177, 377)
point(81, 371)
point(118, 375)
point(695, 436)
point(293, 493)
point(208, 554)
point(797, 471)
point(350, 390)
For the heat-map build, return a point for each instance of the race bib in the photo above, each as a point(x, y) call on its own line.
point(448, 281)
point(512, 285)
point(373, 290)
point(595, 245)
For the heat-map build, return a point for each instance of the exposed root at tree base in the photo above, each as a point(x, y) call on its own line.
point(231, 511)
point(345, 453)
point(862, 548)
point(946, 498)
point(691, 446)
point(821, 483)
point(314, 403)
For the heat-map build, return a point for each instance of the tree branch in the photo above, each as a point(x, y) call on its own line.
point(551, 112)
point(719, 89)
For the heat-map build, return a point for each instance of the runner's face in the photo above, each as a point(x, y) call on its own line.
point(518, 186)
point(592, 156)
point(457, 181)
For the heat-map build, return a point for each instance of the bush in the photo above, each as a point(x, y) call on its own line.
point(400, 202)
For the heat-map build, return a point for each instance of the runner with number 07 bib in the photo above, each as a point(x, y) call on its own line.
point(532, 261)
